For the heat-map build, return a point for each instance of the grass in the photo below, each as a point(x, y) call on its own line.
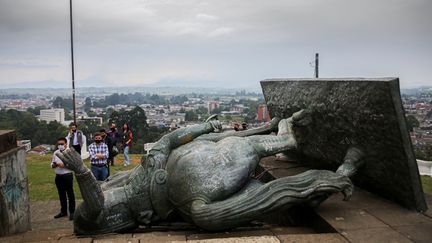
point(41, 177)
point(427, 184)
point(42, 186)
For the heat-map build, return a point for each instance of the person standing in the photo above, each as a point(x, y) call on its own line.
point(75, 137)
point(127, 143)
point(113, 137)
point(98, 157)
point(63, 181)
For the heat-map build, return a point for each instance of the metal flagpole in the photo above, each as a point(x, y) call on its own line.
point(72, 62)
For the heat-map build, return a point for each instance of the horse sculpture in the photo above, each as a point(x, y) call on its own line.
point(206, 178)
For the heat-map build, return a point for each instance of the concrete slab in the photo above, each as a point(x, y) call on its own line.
point(12, 239)
point(383, 234)
point(349, 219)
point(400, 217)
point(312, 238)
point(291, 230)
point(160, 236)
point(112, 238)
point(46, 235)
point(42, 214)
point(417, 233)
point(253, 239)
point(75, 240)
point(360, 199)
point(231, 234)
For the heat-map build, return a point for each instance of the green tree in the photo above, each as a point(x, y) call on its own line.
point(412, 122)
point(216, 111)
point(59, 102)
point(137, 121)
point(88, 104)
point(191, 116)
point(27, 126)
point(36, 111)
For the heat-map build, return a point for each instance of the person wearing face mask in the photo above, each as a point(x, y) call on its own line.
point(75, 137)
point(98, 157)
point(113, 137)
point(63, 181)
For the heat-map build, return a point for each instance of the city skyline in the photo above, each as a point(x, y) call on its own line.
point(202, 43)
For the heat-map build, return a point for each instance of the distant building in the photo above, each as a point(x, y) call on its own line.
point(212, 105)
point(82, 119)
point(52, 115)
point(263, 114)
point(238, 108)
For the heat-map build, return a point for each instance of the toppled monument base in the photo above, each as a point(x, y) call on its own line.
point(353, 113)
point(14, 199)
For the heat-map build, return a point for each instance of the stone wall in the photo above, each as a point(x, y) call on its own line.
point(14, 197)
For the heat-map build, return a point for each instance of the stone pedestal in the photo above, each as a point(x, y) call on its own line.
point(14, 197)
point(353, 113)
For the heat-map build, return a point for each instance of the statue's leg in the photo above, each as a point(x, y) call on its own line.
point(266, 145)
point(279, 194)
point(266, 129)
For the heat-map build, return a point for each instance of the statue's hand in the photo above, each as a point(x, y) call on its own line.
point(217, 126)
point(72, 160)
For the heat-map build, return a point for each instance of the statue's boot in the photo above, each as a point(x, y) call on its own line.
point(257, 199)
point(268, 128)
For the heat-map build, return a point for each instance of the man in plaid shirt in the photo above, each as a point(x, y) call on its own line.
point(98, 158)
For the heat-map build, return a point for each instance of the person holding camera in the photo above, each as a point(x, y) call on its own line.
point(63, 181)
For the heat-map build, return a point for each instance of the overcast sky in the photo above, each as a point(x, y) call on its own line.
point(221, 43)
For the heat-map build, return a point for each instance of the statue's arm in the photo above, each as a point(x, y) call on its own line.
point(90, 189)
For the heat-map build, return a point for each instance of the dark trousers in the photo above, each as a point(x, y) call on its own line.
point(110, 160)
point(64, 185)
point(77, 148)
point(100, 172)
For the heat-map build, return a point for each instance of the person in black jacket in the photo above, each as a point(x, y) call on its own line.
point(114, 137)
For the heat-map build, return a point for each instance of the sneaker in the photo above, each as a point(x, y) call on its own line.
point(125, 165)
point(71, 216)
point(60, 215)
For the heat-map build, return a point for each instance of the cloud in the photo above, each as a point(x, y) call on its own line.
point(221, 31)
point(143, 41)
point(206, 17)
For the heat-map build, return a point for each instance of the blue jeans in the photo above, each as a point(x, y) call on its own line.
point(126, 155)
point(100, 173)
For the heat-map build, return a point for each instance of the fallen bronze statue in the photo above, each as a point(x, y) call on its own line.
point(206, 178)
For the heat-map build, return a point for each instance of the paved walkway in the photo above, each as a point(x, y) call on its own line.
point(47, 229)
point(365, 218)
